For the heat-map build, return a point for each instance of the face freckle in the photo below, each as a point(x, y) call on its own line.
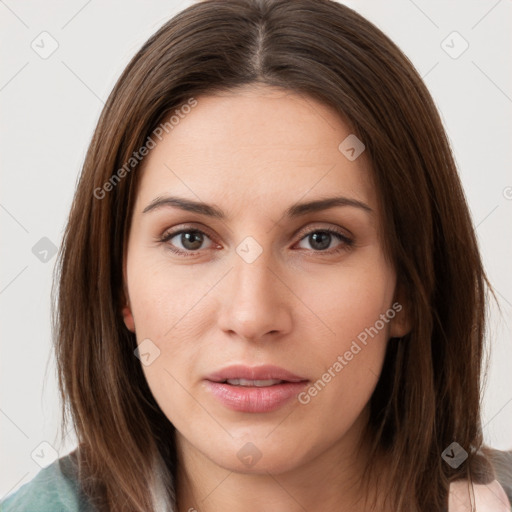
point(265, 284)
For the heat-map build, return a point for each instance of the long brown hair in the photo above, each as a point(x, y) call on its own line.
point(428, 395)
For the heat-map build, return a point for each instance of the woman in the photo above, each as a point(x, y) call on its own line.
point(270, 292)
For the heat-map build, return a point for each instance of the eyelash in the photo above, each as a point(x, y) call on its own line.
point(347, 243)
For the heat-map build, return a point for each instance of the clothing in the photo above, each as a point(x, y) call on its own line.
point(54, 489)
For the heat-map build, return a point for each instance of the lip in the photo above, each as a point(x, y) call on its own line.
point(254, 373)
point(251, 398)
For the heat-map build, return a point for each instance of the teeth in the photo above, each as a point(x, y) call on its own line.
point(255, 383)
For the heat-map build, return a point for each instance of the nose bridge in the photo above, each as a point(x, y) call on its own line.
point(256, 302)
point(254, 279)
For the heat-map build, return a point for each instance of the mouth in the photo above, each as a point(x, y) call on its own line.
point(253, 383)
point(254, 389)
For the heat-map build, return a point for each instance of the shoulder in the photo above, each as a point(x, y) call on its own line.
point(53, 489)
point(487, 497)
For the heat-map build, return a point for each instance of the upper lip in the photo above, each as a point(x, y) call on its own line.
point(264, 372)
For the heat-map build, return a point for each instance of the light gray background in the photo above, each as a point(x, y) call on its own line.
point(50, 107)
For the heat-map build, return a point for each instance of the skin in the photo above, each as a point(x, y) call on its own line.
point(487, 498)
point(253, 153)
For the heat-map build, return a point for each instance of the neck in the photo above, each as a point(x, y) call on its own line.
point(330, 481)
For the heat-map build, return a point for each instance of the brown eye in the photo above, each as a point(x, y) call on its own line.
point(191, 240)
point(185, 240)
point(320, 240)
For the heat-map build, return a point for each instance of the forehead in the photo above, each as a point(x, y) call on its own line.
point(255, 144)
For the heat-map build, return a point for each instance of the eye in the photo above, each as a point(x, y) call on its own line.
point(190, 240)
point(320, 240)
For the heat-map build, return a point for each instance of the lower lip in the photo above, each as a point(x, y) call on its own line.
point(255, 399)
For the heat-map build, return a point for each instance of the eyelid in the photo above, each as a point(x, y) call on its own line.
point(314, 227)
point(176, 230)
point(172, 232)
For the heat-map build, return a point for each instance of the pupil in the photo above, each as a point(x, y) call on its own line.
point(322, 238)
point(191, 240)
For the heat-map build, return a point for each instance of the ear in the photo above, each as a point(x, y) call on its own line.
point(401, 324)
point(126, 310)
point(128, 318)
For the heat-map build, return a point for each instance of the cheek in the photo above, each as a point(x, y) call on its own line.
point(164, 299)
point(169, 307)
point(355, 306)
point(349, 301)
point(163, 307)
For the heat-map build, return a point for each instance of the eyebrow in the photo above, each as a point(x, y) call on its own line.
point(296, 210)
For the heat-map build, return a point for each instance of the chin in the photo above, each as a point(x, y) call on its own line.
point(256, 457)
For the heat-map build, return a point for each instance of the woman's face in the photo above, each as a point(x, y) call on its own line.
point(260, 280)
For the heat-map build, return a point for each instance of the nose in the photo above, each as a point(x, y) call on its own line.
point(255, 303)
